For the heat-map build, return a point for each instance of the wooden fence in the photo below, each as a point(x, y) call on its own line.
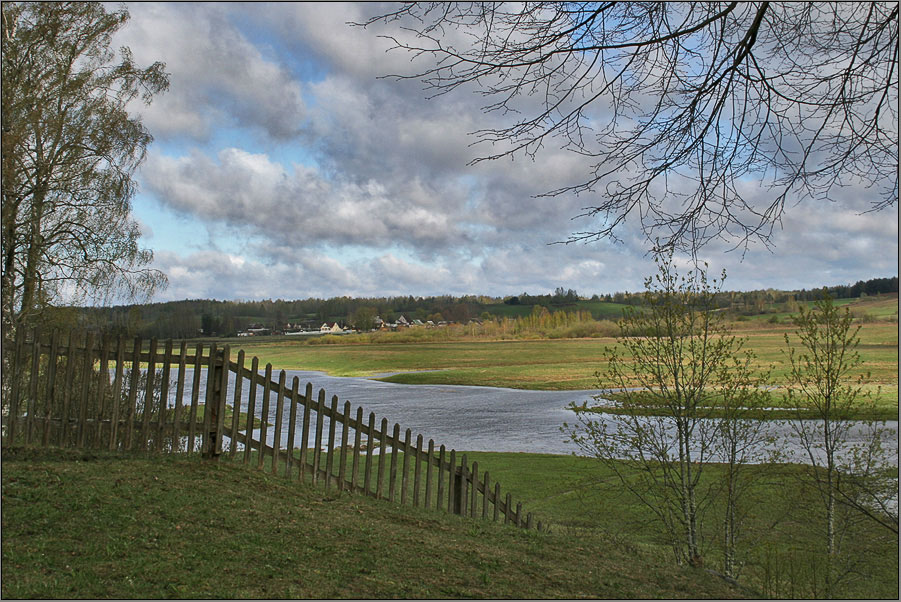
point(80, 390)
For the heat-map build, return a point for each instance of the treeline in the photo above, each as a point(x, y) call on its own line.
point(204, 317)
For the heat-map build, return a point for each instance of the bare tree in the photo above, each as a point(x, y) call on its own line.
point(70, 150)
point(681, 107)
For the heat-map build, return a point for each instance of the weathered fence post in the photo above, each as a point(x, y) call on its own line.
point(215, 402)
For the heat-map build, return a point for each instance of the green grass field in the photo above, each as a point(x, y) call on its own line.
point(556, 364)
point(81, 525)
point(98, 525)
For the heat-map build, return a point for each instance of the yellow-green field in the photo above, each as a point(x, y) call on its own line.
point(563, 364)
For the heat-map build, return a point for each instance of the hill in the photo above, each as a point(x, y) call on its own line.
point(92, 525)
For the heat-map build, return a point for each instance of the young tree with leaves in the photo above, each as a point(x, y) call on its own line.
point(70, 149)
point(684, 385)
point(823, 370)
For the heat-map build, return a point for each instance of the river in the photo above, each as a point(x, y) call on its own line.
point(486, 418)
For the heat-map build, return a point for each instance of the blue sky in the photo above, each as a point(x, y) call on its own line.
point(283, 167)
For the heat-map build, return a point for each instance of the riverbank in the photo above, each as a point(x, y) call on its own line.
point(556, 365)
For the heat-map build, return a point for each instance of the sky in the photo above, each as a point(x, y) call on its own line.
point(285, 167)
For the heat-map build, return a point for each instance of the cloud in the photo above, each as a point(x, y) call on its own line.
point(384, 202)
point(218, 77)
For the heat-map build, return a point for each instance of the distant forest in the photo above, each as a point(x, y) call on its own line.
point(202, 317)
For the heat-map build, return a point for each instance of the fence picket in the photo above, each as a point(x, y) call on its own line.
point(195, 398)
point(507, 516)
point(342, 458)
point(305, 432)
point(86, 372)
point(179, 393)
point(485, 496)
point(356, 458)
point(497, 500)
point(440, 498)
point(50, 391)
point(251, 408)
point(279, 410)
point(148, 394)
point(403, 479)
point(317, 450)
point(292, 425)
point(164, 397)
point(236, 405)
point(65, 436)
point(33, 384)
point(264, 416)
point(474, 502)
point(117, 394)
point(102, 386)
point(417, 469)
point(330, 451)
point(18, 360)
point(369, 439)
point(392, 475)
point(383, 444)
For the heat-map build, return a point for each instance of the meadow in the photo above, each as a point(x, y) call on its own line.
point(554, 364)
point(97, 524)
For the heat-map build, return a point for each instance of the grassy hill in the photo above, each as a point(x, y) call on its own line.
point(88, 525)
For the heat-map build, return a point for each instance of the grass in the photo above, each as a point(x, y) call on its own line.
point(101, 525)
point(95, 525)
point(560, 364)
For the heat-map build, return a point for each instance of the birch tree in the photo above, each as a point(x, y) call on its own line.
point(70, 151)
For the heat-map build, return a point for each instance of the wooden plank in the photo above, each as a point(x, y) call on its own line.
point(102, 386)
point(356, 458)
point(330, 453)
point(236, 404)
point(292, 426)
point(251, 408)
point(417, 470)
point(317, 449)
point(518, 514)
point(404, 469)
point(87, 372)
point(475, 490)
point(148, 395)
point(379, 484)
point(264, 415)
point(117, 394)
point(208, 401)
point(195, 398)
point(279, 410)
point(451, 482)
point(342, 458)
point(507, 510)
point(179, 393)
point(392, 476)
point(485, 496)
point(65, 437)
point(50, 387)
point(461, 482)
point(305, 429)
point(529, 520)
point(497, 500)
point(441, 468)
point(367, 476)
point(33, 384)
point(18, 359)
point(221, 394)
point(164, 397)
